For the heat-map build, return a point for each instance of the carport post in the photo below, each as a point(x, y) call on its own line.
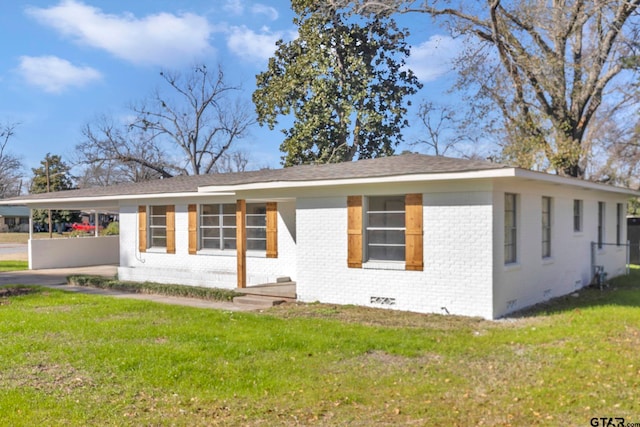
point(95, 222)
point(30, 223)
point(241, 242)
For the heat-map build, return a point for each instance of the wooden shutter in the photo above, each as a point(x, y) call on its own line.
point(142, 228)
point(354, 231)
point(272, 230)
point(413, 234)
point(171, 229)
point(193, 229)
point(241, 242)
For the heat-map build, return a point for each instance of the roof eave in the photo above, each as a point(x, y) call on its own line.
point(423, 177)
point(562, 180)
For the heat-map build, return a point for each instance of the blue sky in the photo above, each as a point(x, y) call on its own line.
point(64, 62)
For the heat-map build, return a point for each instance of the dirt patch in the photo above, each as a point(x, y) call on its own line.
point(6, 293)
point(379, 317)
point(48, 378)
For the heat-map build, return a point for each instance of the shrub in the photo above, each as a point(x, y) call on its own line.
point(214, 294)
point(113, 229)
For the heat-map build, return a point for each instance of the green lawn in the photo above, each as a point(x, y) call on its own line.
point(13, 265)
point(72, 359)
point(24, 237)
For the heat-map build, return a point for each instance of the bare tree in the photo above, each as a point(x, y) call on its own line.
point(545, 66)
point(203, 123)
point(11, 173)
point(615, 148)
point(116, 153)
point(235, 161)
point(188, 129)
point(443, 128)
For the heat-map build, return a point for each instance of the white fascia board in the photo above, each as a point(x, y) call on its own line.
point(429, 177)
point(492, 173)
point(562, 180)
point(101, 201)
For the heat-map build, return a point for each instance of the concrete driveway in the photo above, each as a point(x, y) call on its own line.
point(57, 276)
point(13, 252)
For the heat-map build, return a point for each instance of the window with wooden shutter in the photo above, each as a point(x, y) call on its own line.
point(142, 228)
point(272, 230)
point(413, 233)
point(193, 229)
point(171, 229)
point(256, 224)
point(354, 231)
point(385, 228)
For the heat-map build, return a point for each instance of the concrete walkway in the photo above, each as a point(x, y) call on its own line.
point(57, 279)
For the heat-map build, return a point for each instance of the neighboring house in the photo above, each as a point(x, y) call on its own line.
point(410, 232)
point(14, 218)
point(633, 236)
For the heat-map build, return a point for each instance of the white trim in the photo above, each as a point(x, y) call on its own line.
point(112, 198)
point(232, 190)
point(493, 173)
point(555, 179)
point(425, 177)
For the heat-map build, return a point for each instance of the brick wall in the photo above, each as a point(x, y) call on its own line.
point(533, 279)
point(457, 257)
point(210, 269)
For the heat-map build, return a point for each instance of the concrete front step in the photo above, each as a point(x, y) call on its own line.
point(258, 300)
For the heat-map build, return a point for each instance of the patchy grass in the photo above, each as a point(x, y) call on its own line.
point(13, 265)
point(215, 294)
point(24, 237)
point(73, 359)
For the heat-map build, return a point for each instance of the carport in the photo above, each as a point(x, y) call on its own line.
point(66, 252)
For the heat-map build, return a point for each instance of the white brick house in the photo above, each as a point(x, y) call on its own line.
point(411, 232)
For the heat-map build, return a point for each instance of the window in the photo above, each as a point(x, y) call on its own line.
point(256, 226)
point(546, 227)
point(619, 219)
point(158, 227)
point(577, 216)
point(510, 229)
point(218, 226)
point(385, 228)
point(601, 210)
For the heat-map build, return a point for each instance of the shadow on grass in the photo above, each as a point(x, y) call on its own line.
point(619, 291)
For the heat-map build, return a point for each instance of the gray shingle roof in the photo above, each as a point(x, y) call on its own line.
point(14, 211)
point(405, 164)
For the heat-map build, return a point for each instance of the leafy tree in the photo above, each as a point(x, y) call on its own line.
point(344, 82)
point(10, 165)
point(546, 68)
point(186, 129)
point(52, 175)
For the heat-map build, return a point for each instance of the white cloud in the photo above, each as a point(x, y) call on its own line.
point(268, 11)
point(253, 46)
point(54, 75)
point(160, 39)
point(433, 58)
point(235, 7)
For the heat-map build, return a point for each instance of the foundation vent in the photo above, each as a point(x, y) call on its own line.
point(383, 301)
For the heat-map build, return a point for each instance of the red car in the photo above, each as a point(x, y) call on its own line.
point(77, 226)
